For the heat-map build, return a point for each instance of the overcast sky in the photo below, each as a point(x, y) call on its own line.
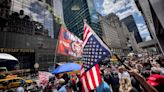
point(123, 8)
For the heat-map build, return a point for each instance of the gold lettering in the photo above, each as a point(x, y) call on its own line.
point(25, 50)
point(31, 50)
point(21, 50)
point(12, 50)
point(5, 50)
point(2, 49)
point(15, 50)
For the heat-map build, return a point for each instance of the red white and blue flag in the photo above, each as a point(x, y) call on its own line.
point(94, 51)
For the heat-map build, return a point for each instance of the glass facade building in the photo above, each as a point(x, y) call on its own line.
point(37, 11)
point(27, 32)
point(132, 27)
point(152, 11)
point(75, 11)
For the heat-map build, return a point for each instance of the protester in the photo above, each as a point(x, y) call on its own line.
point(20, 89)
point(126, 86)
point(143, 74)
point(104, 87)
point(74, 81)
point(62, 86)
point(123, 72)
point(142, 81)
point(33, 87)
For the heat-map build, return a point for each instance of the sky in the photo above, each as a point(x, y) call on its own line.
point(123, 8)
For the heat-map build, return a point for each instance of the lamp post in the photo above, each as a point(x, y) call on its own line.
point(36, 66)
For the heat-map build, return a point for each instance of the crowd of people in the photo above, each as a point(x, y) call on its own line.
point(138, 74)
point(135, 74)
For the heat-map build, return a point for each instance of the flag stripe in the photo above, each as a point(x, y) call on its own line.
point(82, 71)
point(85, 28)
point(87, 37)
point(89, 77)
point(98, 73)
point(84, 84)
point(85, 32)
point(87, 83)
point(93, 78)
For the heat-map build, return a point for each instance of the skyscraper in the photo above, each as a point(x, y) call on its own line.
point(28, 32)
point(75, 11)
point(116, 35)
point(132, 27)
point(58, 8)
point(58, 12)
point(153, 15)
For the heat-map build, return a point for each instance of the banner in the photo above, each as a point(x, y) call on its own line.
point(69, 44)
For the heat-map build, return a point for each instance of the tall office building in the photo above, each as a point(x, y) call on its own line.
point(116, 34)
point(58, 8)
point(27, 32)
point(58, 12)
point(75, 11)
point(152, 11)
point(132, 27)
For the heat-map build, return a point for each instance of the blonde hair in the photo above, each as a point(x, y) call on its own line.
point(122, 68)
point(125, 85)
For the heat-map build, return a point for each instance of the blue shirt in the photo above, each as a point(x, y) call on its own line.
point(104, 87)
point(62, 89)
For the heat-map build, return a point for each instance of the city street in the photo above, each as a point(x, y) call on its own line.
point(81, 46)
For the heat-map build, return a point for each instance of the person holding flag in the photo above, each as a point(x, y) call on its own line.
point(94, 51)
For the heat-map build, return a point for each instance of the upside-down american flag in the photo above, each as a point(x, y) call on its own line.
point(94, 51)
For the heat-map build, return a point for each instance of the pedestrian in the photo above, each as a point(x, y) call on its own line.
point(126, 86)
point(63, 86)
point(20, 88)
point(103, 87)
point(74, 81)
point(123, 73)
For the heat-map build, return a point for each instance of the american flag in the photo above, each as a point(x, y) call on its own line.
point(94, 51)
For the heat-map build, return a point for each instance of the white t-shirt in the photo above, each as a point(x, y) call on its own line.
point(20, 89)
point(124, 74)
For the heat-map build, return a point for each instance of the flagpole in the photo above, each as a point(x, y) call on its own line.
point(121, 61)
point(56, 49)
point(57, 42)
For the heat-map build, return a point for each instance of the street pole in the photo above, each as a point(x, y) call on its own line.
point(57, 42)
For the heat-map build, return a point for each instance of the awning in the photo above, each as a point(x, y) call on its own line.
point(5, 56)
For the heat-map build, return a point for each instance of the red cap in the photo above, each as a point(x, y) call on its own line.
point(153, 83)
point(155, 79)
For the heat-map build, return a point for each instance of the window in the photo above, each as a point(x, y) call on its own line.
point(17, 80)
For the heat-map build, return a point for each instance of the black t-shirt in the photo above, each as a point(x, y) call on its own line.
point(134, 90)
point(135, 84)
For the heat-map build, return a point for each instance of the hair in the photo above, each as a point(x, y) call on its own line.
point(125, 85)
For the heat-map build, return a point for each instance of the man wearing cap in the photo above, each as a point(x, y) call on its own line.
point(63, 86)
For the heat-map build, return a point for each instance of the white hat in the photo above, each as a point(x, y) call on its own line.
point(61, 80)
point(155, 70)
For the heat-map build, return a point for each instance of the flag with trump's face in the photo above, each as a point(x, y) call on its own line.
point(94, 51)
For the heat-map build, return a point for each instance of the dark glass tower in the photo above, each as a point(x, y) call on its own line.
point(132, 27)
point(75, 11)
point(27, 32)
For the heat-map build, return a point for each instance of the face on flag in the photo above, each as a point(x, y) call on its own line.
point(69, 44)
point(94, 51)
